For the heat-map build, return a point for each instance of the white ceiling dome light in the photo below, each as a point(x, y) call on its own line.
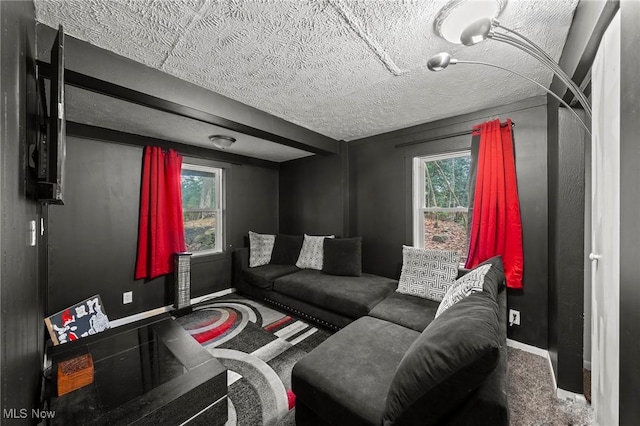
point(457, 15)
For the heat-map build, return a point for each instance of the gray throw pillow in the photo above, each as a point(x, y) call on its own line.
point(311, 254)
point(463, 287)
point(260, 248)
point(427, 273)
point(342, 256)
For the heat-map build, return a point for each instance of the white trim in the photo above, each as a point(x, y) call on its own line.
point(586, 364)
point(571, 396)
point(528, 348)
point(218, 175)
point(560, 393)
point(153, 312)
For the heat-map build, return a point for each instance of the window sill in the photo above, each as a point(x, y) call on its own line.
point(208, 255)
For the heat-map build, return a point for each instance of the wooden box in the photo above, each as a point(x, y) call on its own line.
point(74, 373)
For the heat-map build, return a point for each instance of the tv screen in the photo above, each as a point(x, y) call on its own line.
point(52, 144)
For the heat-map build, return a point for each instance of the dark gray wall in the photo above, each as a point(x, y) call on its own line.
point(566, 162)
point(380, 193)
point(314, 193)
point(92, 238)
point(629, 217)
point(21, 295)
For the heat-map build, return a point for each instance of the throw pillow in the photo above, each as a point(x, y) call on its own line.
point(311, 254)
point(286, 249)
point(469, 283)
point(260, 248)
point(342, 256)
point(427, 273)
point(445, 364)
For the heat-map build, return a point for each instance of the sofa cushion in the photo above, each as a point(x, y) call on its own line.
point(427, 273)
point(450, 359)
point(286, 249)
point(463, 287)
point(312, 251)
point(494, 281)
point(350, 296)
point(260, 248)
point(342, 256)
point(263, 276)
point(409, 311)
point(346, 378)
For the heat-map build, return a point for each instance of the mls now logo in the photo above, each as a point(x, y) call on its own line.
point(23, 413)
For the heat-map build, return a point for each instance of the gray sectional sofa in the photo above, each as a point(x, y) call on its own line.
point(391, 362)
point(331, 300)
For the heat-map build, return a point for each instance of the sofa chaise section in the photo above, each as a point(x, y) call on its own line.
point(389, 368)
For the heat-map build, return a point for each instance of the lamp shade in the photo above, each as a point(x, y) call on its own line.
point(476, 32)
point(457, 15)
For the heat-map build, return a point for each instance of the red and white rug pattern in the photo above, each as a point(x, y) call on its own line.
point(259, 346)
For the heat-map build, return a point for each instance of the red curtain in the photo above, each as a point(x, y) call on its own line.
point(161, 229)
point(496, 227)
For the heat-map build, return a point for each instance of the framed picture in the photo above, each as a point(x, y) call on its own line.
point(80, 320)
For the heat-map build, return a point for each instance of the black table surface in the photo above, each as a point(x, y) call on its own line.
point(142, 373)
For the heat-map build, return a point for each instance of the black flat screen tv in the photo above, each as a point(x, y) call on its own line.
point(51, 149)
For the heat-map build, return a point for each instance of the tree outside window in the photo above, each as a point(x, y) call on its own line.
point(441, 202)
point(202, 208)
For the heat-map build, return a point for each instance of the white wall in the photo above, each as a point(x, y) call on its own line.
point(605, 297)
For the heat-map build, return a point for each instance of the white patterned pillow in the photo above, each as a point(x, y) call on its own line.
point(427, 273)
point(469, 283)
point(312, 252)
point(260, 248)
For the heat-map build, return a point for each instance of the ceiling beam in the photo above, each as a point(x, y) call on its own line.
point(590, 21)
point(86, 131)
point(126, 76)
point(113, 90)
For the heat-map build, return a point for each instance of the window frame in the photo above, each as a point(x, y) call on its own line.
point(418, 200)
point(220, 211)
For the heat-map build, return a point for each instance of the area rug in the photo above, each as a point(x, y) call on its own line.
point(259, 347)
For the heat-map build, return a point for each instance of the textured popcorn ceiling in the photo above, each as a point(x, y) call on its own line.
point(346, 69)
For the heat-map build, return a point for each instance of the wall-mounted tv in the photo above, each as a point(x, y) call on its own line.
point(50, 153)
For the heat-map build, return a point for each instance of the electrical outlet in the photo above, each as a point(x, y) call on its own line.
point(127, 297)
point(514, 317)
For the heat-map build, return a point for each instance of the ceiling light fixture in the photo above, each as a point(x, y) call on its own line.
point(443, 60)
point(485, 28)
point(459, 14)
point(222, 141)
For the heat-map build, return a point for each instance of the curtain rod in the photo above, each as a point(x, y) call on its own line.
point(450, 135)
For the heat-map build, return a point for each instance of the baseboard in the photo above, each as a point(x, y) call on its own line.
point(571, 396)
point(153, 312)
point(586, 364)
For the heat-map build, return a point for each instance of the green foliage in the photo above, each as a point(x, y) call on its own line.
point(198, 192)
point(447, 182)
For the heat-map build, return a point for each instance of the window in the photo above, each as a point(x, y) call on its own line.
point(202, 207)
point(441, 202)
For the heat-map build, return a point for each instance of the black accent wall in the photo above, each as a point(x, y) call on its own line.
point(21, 293)
point(378, 201)
point(629, 208)
point(93, 237)
point(566, 162)
point(313, 195)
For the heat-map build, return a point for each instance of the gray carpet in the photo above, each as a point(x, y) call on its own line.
point(532, 399)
